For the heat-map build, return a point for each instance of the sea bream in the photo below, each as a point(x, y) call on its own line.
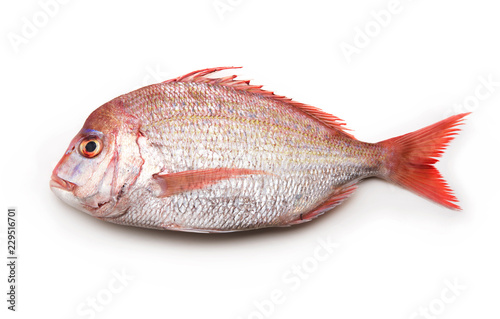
point(205, 154)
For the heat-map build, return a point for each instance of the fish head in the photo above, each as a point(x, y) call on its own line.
point(100, 163)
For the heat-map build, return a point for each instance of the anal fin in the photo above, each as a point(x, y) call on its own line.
point(330, 203)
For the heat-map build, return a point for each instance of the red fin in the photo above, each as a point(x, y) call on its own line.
point(333, 201)
point(413, 155)
point(175, 183)
point(200, 76)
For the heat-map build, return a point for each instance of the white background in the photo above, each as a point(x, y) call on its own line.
point(396, 251)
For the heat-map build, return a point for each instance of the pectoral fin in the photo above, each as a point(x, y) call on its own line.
point(175, 183)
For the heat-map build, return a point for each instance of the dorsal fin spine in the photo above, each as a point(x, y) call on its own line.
point(199, 76)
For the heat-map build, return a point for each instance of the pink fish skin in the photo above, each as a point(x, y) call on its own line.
point(208, 154)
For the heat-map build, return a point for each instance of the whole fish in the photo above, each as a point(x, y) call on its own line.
point(206, 154)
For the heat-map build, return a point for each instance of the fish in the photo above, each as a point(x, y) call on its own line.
point(201, 153)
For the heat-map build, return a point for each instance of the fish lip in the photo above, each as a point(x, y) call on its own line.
point(57, 182)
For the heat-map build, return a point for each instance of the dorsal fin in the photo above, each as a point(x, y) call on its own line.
point(200, 76)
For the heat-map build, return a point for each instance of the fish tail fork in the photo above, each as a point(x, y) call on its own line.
point(411, 157)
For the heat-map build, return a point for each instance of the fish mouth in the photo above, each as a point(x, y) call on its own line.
point(97, 205)
point(57, 182)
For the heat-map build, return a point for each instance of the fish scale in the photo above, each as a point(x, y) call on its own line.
point(217, 154)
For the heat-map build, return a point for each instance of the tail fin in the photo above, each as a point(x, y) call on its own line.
point(411, 158)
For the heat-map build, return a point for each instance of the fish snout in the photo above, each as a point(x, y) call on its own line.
point(57, 182)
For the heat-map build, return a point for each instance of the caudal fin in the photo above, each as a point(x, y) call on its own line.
point(412, 157)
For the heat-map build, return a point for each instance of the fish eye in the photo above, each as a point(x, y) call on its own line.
point(90, 146)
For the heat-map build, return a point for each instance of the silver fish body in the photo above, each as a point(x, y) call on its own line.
point(219, 155)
